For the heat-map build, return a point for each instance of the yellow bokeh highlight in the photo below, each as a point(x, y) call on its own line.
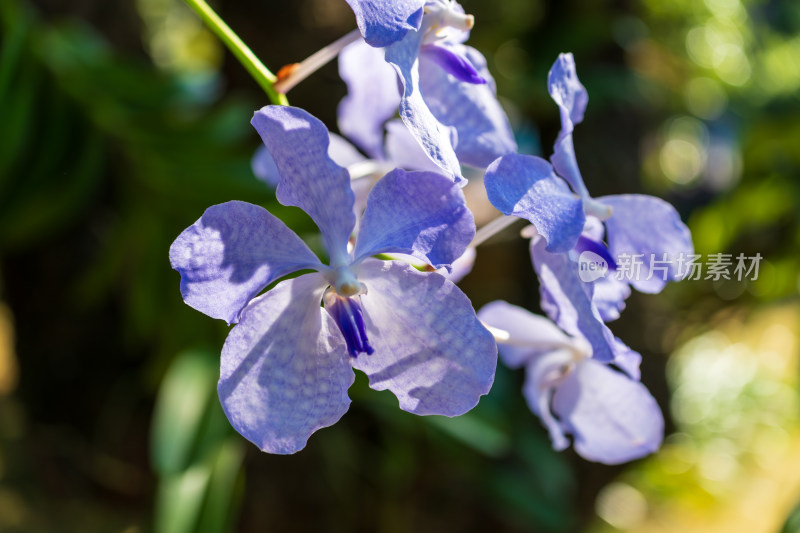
point(705, 97)
point(781, 64)
point(683, 154)
point(9, 370)
point(176, 38)
point(734, 464)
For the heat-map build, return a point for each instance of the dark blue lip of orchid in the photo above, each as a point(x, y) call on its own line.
point(453, 63)
point(350, 320)
point(585, 244)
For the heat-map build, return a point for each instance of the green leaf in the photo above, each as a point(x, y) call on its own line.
point(194, 450)
point(16, 25)
point(475, 432)
point(182, 405)
point(179, 500)
point(792, 524)
point(226, 488)
point(205, 497)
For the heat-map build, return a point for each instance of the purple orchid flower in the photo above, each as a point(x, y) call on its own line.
point(555, 200)
point(634, 223)
point(286, 366)
point(611, 416)
point(446, 99)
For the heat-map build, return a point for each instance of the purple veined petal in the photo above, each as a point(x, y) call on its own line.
point(609, 293)
point(361, 188)
point(417, 213)
point(285, 370)
point(433, 137)
point(525, 186)
point(403, 150)
point(448, 59)
point(383, 22)
point(647, 225)
point(571, 97)
point(585, 244)
point(310, 180)
point(372, 97)
point(566, 165)
point(346, 155)
point(461, 266)
point(567, 91)
point(342, 152)
point(529, 335)
point(568, 301)
point(614, 419)
point(627, 360)
point(264, 167)
point(231, 253)
point(609, 296)
point(484, 133)
point(542, 375)
point(594, 229)
point(430, 349)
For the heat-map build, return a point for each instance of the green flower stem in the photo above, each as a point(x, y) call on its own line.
point(246, 57)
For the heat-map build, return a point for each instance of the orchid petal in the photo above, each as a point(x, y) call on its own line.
point(614, 419)
point(231, 253)
point(571, 97)
point(524, 335)
point(285, 370)
point(598, 248)
point(383, 22)
point(525, 186)
point(434, 137)
point(484, 133)
point(361, 189)
point(627, 360)
point(542, 375)
point(403, 150)
point(310, 179)
point(566, 165)
point(609, 297)
point(568, 301)
point(651, 227)
point(372, 96)
point(417, 213)
point(609, 293)
point(450, 61)
point(594, 229)
point(567, 91)
point(340, 151)
point(430, 349)
point(461, 266)
point(264, 167)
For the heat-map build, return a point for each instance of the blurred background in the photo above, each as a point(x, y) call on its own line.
point(120, 122)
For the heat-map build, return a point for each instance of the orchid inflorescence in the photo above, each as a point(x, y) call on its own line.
point(287, 363)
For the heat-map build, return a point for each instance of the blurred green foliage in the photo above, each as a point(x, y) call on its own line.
point(792, 524)
point(194, 450)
